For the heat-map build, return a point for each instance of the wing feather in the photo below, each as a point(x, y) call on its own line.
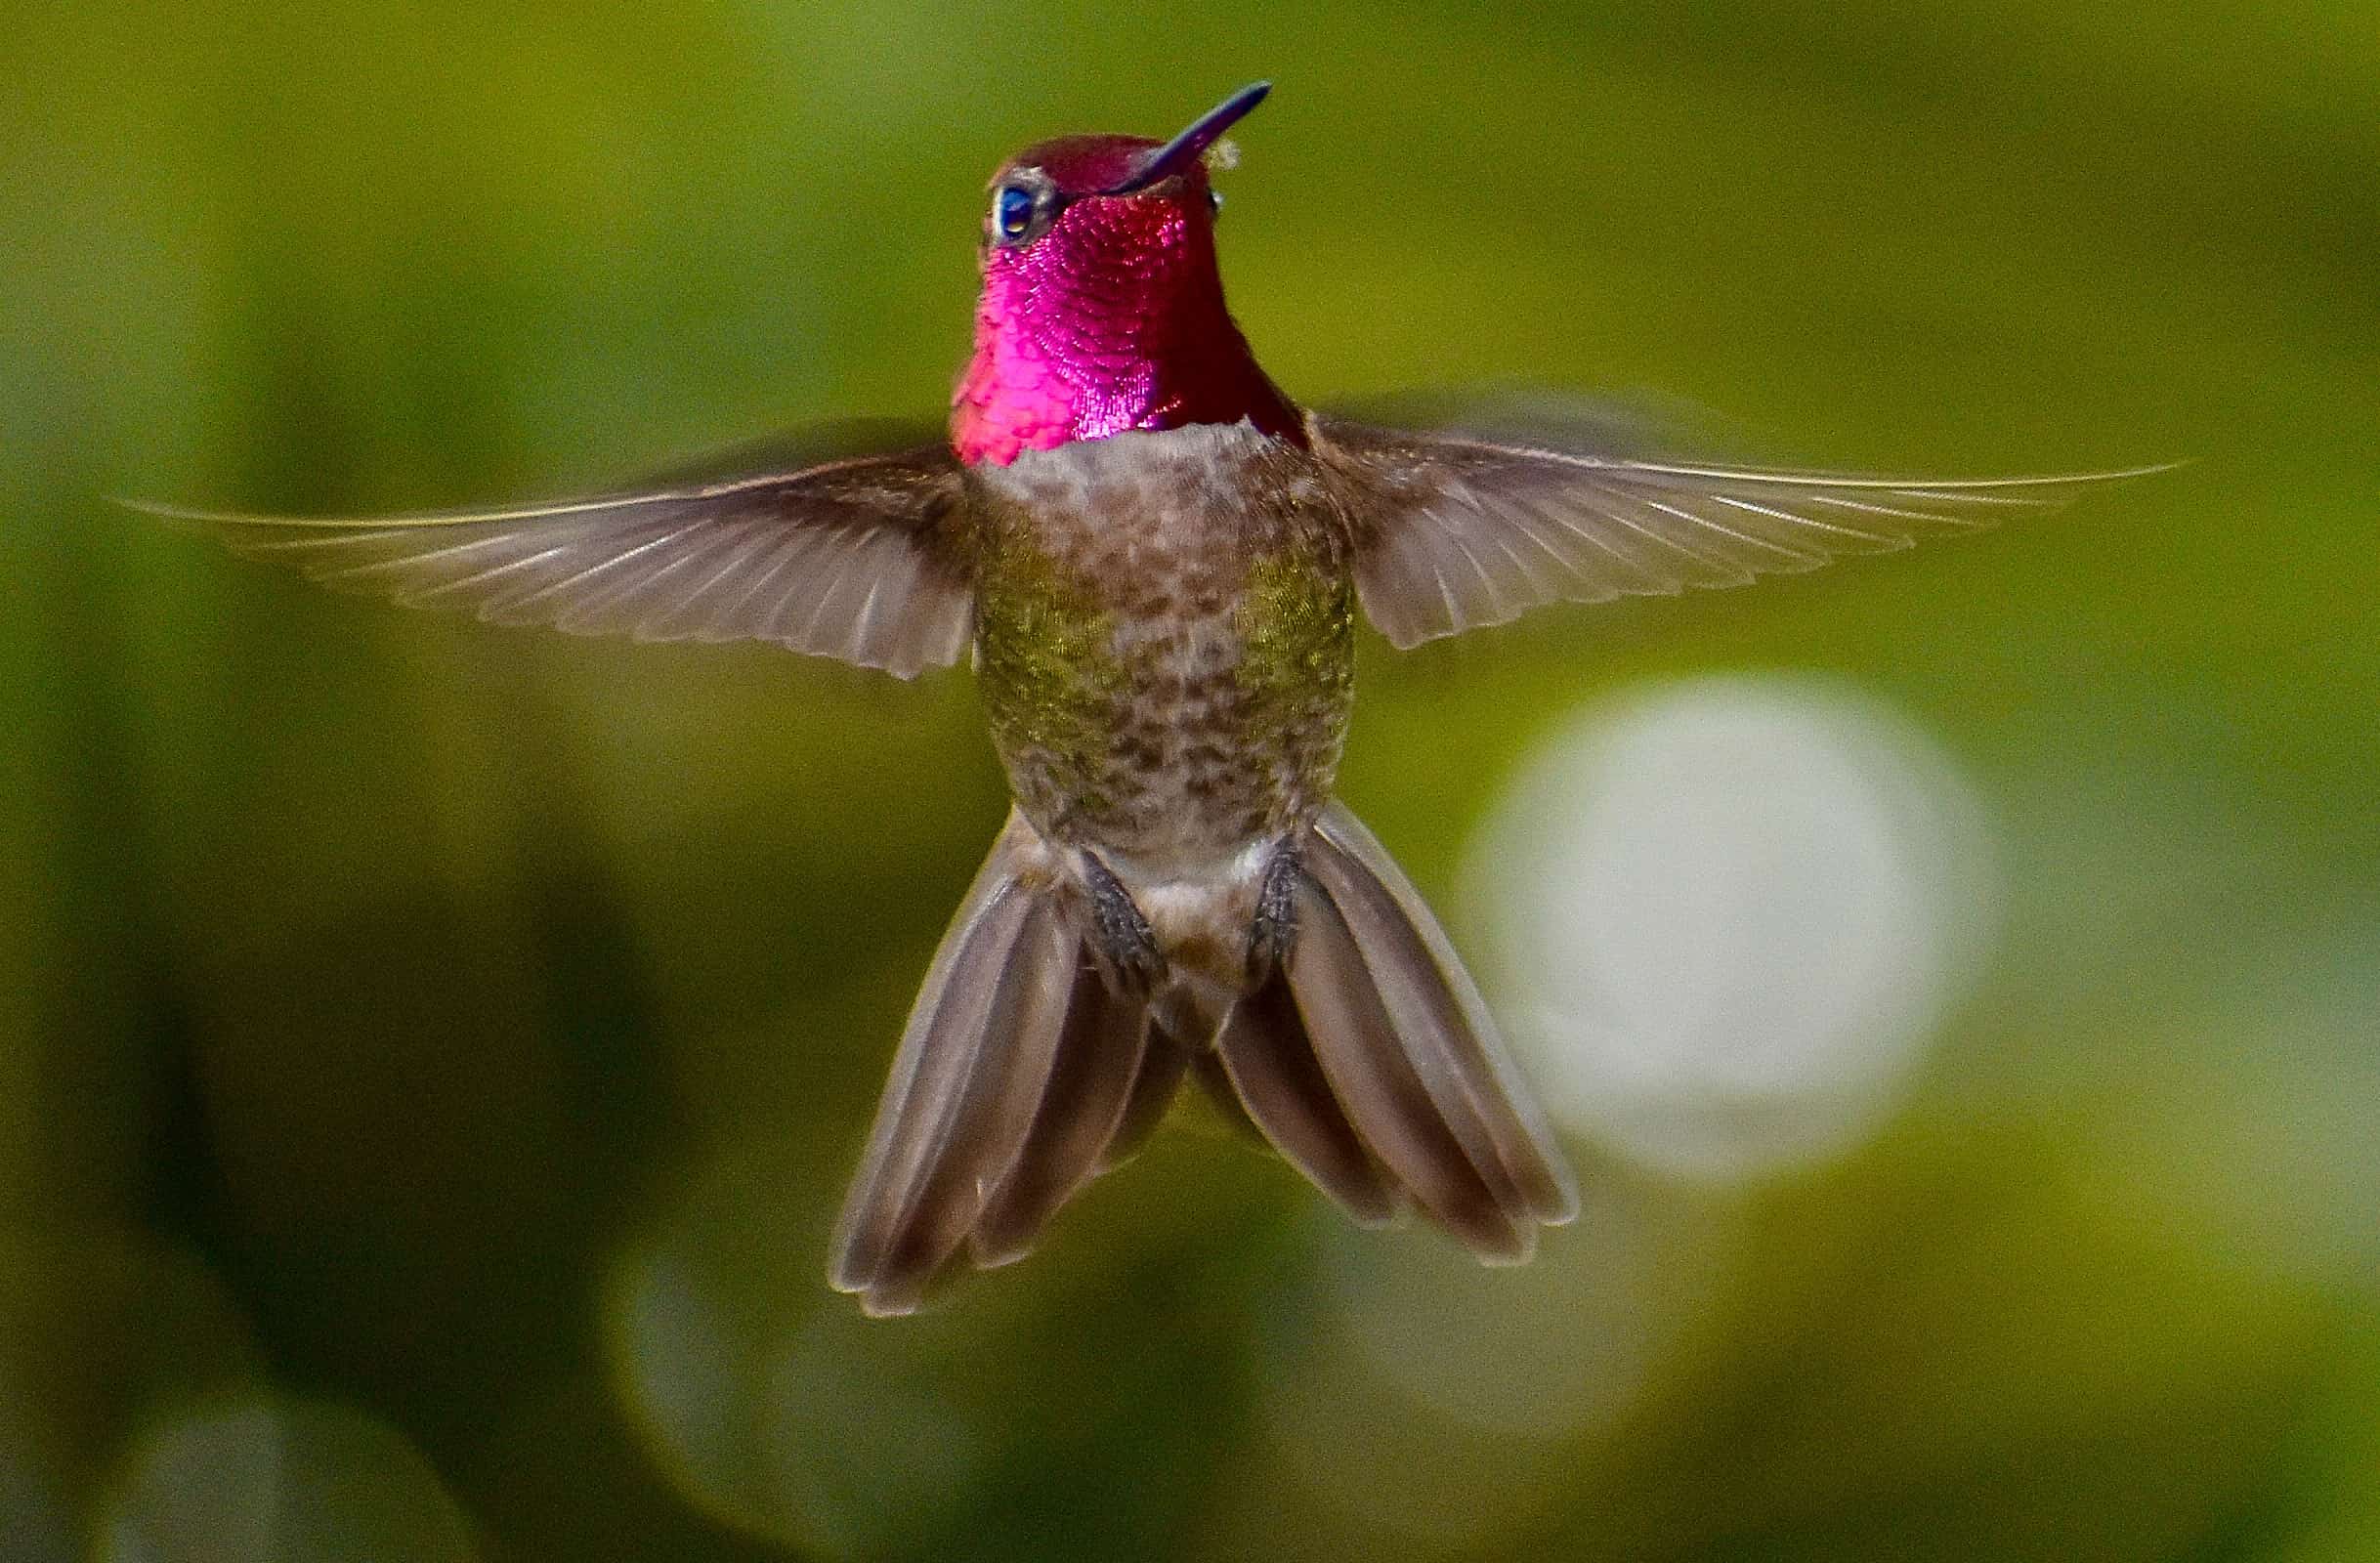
point(1458, 528)
point(858, 558)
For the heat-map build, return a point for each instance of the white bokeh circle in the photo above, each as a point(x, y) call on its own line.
point(1725, 914)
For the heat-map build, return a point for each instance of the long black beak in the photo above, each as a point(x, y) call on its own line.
point(1187, 147)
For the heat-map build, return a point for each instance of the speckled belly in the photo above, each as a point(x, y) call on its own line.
point(1167, 663)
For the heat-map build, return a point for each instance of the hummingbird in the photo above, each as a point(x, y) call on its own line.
point(1156, 561)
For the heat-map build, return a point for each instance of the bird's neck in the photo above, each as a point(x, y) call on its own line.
point(1067, 352)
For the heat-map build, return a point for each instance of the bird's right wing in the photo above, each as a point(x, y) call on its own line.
point(857, 558)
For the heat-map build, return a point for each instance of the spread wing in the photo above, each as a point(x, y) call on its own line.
point(1457, 529)
point(855, 558)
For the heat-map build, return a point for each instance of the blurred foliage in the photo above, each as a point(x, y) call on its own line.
point(429, 1055)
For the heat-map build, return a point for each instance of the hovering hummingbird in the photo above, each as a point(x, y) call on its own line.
point(1157, 560)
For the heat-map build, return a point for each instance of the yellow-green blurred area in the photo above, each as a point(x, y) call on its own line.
point(430, 1054)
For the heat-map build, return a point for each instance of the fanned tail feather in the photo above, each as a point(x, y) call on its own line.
point(1017, 1076)
point(1269, 1062)
point(1370, 1062)
point(1085, 1121)
point(1162, 1064)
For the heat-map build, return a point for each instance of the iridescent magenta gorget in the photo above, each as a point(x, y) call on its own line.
point(1113, 320)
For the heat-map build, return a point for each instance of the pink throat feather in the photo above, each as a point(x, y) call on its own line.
point(1114, 319)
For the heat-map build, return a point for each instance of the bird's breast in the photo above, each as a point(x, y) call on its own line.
point(1165, 643)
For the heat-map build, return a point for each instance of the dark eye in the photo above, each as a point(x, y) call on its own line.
point(1214, 204)
point(1012, 212)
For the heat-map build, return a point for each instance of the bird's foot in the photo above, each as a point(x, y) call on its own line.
point(1276, 926)
point(1121, 935)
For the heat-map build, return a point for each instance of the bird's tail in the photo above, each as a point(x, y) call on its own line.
point(1020, 1078)
point(1369, 1061)
point(1365, 1057)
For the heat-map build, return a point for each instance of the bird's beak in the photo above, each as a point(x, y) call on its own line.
point(1182, 150)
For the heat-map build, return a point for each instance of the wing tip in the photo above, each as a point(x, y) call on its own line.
point(178, 517)
point(1810, 478)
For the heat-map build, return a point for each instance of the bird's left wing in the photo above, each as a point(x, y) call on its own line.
point(857, 558)
point(1455, 529)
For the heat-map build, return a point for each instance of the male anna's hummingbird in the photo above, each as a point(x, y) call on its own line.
point(1157, 560)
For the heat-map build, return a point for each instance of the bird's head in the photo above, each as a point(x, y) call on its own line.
point(1103, 308)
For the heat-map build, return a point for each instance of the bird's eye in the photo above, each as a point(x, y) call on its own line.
point(1013, 211)
point(1214, 204)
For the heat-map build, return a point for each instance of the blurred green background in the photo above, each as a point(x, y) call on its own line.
point(430, 1055)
